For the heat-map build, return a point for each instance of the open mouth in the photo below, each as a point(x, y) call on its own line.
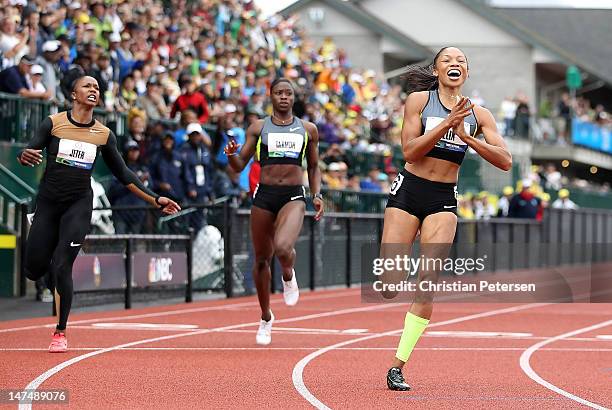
point(92, 98)
point(454, 74)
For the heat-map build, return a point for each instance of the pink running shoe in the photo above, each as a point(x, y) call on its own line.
point(59, 343)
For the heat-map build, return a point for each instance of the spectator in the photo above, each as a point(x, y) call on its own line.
point(153, 101)
point(484, 209)
point(127, 94)
point(14, 80)
point(129, 221)
point(192, 99)
point(563, 201)
point(51, 54)
point(36, 74)
point(464, 207)
point(199, 173)
point(14, 45)
point(371, 182)
point(170, 172)
point(553, 178)
point(524, 204)
point(523, 114)
point(508, 113)
point(504, 202)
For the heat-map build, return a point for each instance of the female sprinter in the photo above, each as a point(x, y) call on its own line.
point(439, 126)
point(64, 203)
point(281, 141)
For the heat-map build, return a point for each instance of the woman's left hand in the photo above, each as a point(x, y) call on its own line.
point(318, 206)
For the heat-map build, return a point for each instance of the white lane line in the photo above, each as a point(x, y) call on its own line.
point(141, 326)
point(604, 337)
point(34, 384)
point(465, 333)
point(182, 311)
point(298, 370)
point(526, 366)
point(178, 349)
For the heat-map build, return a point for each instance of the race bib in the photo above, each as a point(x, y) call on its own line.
point(449, 141)
point(76, 154)
point(285, 145)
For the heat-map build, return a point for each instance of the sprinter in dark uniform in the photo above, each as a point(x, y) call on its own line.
point(439, 127)
point(281, 141)
point(72, 140)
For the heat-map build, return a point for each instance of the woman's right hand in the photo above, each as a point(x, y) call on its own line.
point(231, 148)
point(30, 157)
point(459, 112)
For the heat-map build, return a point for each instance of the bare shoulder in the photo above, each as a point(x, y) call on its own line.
point(482, 114)
point(416, 101)
point(309, 126)
point(256, 127)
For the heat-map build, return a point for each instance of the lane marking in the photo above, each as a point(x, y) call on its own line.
point(298, 370)
point(458, 349)
point(526, 366)
point(465, 333)
point(228, 306)
point(604, 337)
point(144, 326)
point(34, 384)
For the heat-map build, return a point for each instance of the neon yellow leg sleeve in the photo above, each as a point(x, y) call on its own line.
point(413, 328)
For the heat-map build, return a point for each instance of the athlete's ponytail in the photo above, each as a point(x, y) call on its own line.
point(422, 78)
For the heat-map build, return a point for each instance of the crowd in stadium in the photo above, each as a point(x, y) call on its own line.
point(178, 69)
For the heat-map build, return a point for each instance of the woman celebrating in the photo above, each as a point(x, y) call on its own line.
point(281, 141)
point(64, 203)
point(439, 126)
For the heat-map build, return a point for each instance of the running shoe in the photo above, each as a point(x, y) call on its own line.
point(395, 380)
point(264, 333)
point(59, 343)
point(291, 292)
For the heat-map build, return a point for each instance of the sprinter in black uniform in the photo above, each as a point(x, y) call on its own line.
point(439, 127)
point(281, 141)
point(72, 140)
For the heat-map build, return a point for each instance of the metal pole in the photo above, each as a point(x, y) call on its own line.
point(22, 248)
point(189, 289)
point(312, 254)
point(227, 251)
point(348, 252)
point(128, 273)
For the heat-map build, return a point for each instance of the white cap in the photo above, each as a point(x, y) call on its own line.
point(230, 108)
point(18, 3)
point(234, 62)
point(75, 5)
point(36, 69)
point(194, 127)
point(220, 69)
point(230, 72)
point(526, 183)
point(334, 166)
point(114, 37)
point(51, 46)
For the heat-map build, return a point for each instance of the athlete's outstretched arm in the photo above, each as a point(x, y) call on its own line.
point(31, 155)
point(415, 145)
point(312, 167)
point(117, 166)
point(239, 160)
point(493, 148)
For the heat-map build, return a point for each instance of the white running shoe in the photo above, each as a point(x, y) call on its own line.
point(264, 333)
point(291, 292)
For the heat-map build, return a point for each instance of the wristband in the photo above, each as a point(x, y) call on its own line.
point(157, 201)
point(317, 196)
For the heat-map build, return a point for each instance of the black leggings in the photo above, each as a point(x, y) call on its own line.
point(57, 233)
